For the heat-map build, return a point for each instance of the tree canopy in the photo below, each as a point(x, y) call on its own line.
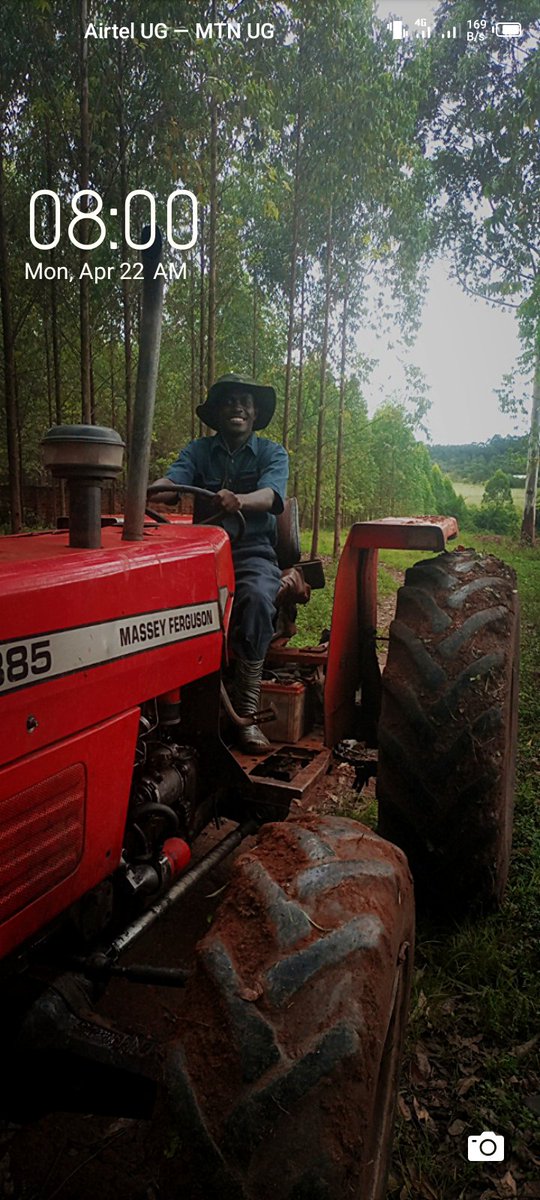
point(328, 167)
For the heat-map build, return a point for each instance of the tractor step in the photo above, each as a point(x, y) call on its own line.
point(286, 772)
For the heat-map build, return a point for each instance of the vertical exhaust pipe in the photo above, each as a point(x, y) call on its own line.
point(145, 393)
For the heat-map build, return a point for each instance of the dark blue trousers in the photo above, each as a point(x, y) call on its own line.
point(257, 583)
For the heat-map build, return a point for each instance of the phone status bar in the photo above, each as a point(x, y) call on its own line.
point(474, 30)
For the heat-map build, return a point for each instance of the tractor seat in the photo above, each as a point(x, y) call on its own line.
point(288, 535)
point(298, 577)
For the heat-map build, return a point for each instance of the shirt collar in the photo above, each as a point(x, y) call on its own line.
point(218, 440)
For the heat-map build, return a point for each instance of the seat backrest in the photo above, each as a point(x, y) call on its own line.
point(288, 535)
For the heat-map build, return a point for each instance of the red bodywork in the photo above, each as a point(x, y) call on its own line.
point(354, 617)
point(62, 825)
point(87, 637)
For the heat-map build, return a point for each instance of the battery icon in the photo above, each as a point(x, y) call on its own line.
point(397, 31)
point(508, 29)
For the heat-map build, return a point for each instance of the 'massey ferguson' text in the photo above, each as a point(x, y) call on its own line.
point(149, 631)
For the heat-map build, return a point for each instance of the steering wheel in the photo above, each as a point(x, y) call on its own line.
point(183, 489)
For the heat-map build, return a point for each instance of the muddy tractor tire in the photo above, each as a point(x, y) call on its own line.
point(285, 1082)
point(448, 728)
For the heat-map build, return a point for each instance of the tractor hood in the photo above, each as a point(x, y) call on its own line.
point(87, 634)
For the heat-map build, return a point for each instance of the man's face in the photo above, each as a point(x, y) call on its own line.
point(236, 414)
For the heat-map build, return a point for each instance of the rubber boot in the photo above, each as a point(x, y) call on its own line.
point(247, 699)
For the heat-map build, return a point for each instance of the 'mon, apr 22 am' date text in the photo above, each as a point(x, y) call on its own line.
point(125, 270)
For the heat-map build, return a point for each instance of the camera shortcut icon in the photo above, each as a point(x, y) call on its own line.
point(485, 1147)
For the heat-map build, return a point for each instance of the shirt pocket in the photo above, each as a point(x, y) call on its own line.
point(212, 485)
point(244, 482)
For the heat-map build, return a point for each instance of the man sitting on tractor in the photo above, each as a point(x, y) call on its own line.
point(248, 475)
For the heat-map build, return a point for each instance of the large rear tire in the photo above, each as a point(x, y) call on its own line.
point(448, 728)
point(285, 1082)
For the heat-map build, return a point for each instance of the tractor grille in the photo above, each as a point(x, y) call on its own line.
point(41, 837)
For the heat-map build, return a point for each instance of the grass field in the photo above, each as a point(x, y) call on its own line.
point(472, 1058)
point(472, 493)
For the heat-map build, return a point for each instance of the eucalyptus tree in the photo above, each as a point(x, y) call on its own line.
point(29, 152)
point(146, 137)
point(237, 84)
point(485, 148)
point(12, 74)
point(373, 179)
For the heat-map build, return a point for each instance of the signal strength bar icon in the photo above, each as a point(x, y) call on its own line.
point(400, 32)
point(454, 32)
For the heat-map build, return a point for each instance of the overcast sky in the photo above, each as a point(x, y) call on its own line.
point(463, 346)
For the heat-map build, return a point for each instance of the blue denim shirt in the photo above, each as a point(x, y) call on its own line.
point(259, 463)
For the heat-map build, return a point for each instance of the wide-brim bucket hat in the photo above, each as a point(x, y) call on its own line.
point(264, 399)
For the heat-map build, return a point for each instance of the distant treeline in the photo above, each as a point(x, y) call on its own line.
point(477, 461)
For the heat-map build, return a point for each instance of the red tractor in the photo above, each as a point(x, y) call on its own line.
point(117, 753)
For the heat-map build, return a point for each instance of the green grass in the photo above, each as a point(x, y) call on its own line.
point(476, 995)
point(472, 493)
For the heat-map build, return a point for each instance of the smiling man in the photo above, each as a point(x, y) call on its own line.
point(248, 474)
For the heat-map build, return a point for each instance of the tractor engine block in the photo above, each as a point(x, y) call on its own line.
point(161, 816)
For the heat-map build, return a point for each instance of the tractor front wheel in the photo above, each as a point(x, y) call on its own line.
point(448, 728)
point(285, 1081)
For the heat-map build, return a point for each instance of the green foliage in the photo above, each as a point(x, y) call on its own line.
point(335, 112)
point(447, 502)
point(483, 124)
point(476, 461)
point(497, 489)
point(496, 512)
point(500, 517)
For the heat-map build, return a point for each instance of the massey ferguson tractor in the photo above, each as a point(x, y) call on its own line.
point(118, 749)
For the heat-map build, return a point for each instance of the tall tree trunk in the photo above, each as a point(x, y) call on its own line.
point(112, 377)
point(339, 451)
point(48, 369)
point(254, 329)
point(322, 391)
point(202, 311)
point(19, 431)
point(57, 371)
point(193, 346)
point(531, 484)
point(112, 385)
point(53, 291)
point(127, 314)
point(10, 386)
point(300, 389)
point(212, 232)
point(92, 390)
point(292, 279)
point(50, 399)
point(82, 227)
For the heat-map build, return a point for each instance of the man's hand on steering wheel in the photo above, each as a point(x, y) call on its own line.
point(162, 492)
point(227, 502)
